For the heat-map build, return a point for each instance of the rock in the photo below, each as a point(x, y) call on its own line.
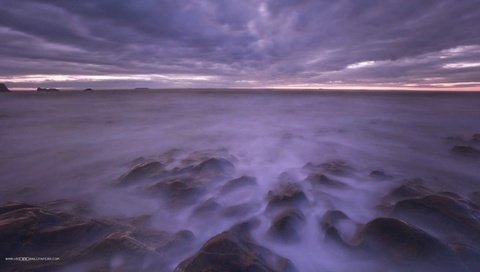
point(3, 88)
point(465, 151)
point(47, 90)
point(215, 168)
point(406, 247)
point(470, 256)
point(228, 253)
point(88, 89)
point(324, 181)
point(475, 198)
point(244, 229)
point(332, 218)
point(453, 219)
point(287, 225)
point(336, 167)
point(412, 188)
point(287, 195)
point(240, 210)
point(206, 209)
point(241, 182)
point(380, 175)
point(178, 191)
point(141, 172)
point(475, 138)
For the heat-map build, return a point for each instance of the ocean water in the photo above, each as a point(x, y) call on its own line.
point(74, 145)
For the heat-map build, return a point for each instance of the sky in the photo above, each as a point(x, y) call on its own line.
point(384, 44)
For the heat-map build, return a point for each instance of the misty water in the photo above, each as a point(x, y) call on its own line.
point(75, 145)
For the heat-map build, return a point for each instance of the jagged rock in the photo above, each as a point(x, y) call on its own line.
point(337, 167)
point(215, 168)
point(475, 198)
point(324, 181)
point(456, 220)
point(285, 196)
point(207, 208)
point(466, 151)
point(240, 210)
point(476, 138)
point(412, 188)
point(228, 253)
point(178, 191)
point(241, 182)
point(286, 226)
point(142, 172)
point(470, 256)
point(380, 175)
point(406, 247)
point(3, 88)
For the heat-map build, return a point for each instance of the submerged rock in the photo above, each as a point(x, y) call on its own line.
point(336, 167)
point(241, 182)
point(324, 181)
point(287, 195)
point(287, 225)
point(227, 252)
point(380, 175)
point(31, 230)
point(456, 220)
point(412, 188)
point(406, 247)
point(466, 151)
point(141, 172)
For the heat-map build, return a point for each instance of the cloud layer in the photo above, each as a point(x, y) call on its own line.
point(249, 43)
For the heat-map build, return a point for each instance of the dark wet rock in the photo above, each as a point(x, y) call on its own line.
point(287, 195)
point(240, 210)
point(475, 138)
point(3, 88)
point(132, 254)
point(465, 151)
point(287, 225)
point(332, 218)
point(142, 172)
point(244, 229)
point(215, 168)
point(475, 198)
point(178, 191)
point(336, 167)
point(47, 90)
point(337, 225)
point(241, 182)
point(207, 208)
point(455, 220)
point(412, 188)
point(31, 230)
point(380, 175)
point(228, 253)
point(325, 181)
point(403, 245)
point(470, 256)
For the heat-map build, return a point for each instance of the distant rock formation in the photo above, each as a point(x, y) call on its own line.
point(47, 90)
point(3, 88)
point(88, 89)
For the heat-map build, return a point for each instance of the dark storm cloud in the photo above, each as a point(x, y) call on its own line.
point(243, 43)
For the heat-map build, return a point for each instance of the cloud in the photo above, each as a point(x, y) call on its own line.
point(241, 43)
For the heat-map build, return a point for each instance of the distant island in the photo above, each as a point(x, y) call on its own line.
point(47, 90)
point(3, 88)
